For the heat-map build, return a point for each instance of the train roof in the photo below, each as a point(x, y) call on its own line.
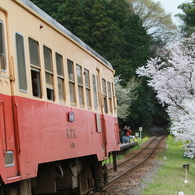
point(64, 30)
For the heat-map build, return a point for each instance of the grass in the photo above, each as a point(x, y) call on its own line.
point(171, 175)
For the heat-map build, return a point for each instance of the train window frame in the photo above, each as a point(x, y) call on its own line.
point(104, 90)
point(34, 53)
point(87, 88)
point(95, 91)
point(49, 75)
point(2, 48)
point(21, 64)
point(109, 96)
point(79, 74)
point(60, 77)
point(71, 79)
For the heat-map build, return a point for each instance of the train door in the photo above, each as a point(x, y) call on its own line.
point(102, 118)
point(8, 158)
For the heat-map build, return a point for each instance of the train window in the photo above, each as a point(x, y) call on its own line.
point(2, 48)
point(35, 67)
point(48, 73)
point(71, 78)
point(114, 97)
point(109, 96)
point(36, 87)
point(80, 84)
point(34, 52)
point(95, 92)
point(104, 95)
point(60, 76)
point(87, 88)
point(21, 62)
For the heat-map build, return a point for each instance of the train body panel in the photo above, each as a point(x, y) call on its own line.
point(57, 104)
point(54, 137)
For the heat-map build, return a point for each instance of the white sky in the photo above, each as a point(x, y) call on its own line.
point(170, 6)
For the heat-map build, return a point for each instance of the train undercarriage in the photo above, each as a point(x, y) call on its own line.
point(77, 176)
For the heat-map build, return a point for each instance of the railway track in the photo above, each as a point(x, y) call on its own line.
point(127, 166)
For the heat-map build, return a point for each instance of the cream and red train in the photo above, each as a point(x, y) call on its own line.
point(57, 106)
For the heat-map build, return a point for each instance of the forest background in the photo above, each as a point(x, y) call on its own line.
point(127, 33)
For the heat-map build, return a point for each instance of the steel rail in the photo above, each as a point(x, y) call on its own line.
point(137, 165)
point(149, 143)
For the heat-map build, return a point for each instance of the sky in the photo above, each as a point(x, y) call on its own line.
point(170, 6)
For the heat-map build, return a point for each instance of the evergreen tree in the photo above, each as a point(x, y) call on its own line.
point(188, 17)
point(99, 23)
point(119, 11)
point(132, 40)
point(50, 7)
point(136, 46)
point(70, 15)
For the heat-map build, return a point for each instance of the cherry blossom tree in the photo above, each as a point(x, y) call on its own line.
point(173, 78)
point(125, 96)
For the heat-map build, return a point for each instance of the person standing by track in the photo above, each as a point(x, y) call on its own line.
point(126, 134)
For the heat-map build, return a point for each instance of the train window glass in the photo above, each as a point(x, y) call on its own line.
point(109, 96)
point(36, 84)
point(59, 65)
point(34, 52)
point(71, 78)
point(114, 97)
point(47, 59)
point(60, 77)
point(95, 98)
point(98, 84)
point(104, 86)
point(48, 73)
point(35, 67)
point(70, 70)
point(21, 62)
point(104, 95)
point(109, 89)
point(2, 48)
point(80, 84)
point(87, 87)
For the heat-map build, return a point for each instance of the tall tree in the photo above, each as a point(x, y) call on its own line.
point(132, 39)
point(156, 21)
point(71, 15)
point(174, 82)
point(50, 7)
point(119, 11)
point(127, 96)
point(98, 21)
point(188, 17)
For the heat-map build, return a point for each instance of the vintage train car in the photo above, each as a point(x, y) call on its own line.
point(58, 117)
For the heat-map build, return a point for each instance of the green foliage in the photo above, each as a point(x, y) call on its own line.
point(51, 7)
point(158, 23)
point(127, 96)
point(188, 17)
point(146, 111)
point(99, 23)
point(71, 15)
